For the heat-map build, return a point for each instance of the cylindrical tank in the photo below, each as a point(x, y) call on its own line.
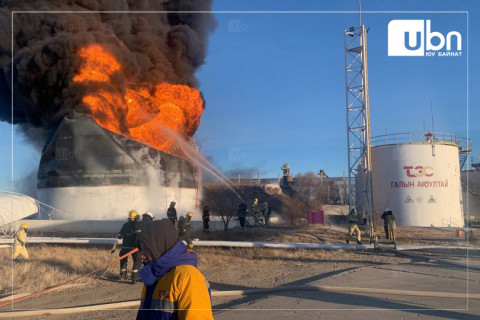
point(419, 182)
point(89, 173)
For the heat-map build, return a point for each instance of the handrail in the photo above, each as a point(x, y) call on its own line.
point(416, 137)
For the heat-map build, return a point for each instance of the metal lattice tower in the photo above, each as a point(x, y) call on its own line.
point(358, 118)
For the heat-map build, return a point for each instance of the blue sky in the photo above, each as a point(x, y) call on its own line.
point(274, 85)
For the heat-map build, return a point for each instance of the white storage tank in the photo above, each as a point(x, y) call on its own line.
point(419, 182)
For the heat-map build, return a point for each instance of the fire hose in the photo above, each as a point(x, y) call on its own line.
point(66, 282)
point(112, 251)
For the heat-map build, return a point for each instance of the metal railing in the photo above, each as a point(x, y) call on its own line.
point(419, 137)
point(255, 181)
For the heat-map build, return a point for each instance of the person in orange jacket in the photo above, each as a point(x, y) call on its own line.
point(173, 286)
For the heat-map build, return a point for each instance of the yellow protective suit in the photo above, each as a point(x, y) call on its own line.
point(354, 228)
point(19, 248)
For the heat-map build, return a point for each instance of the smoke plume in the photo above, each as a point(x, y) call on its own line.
point(152, 48)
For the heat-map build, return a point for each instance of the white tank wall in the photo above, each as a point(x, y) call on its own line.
point(114, 202)
point(427, 194)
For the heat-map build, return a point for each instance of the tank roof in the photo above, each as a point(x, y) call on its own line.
point(427, 137)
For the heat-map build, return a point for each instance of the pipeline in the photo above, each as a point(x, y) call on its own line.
point(201, 243)
point(239, 244)
point(136, 303)
point(66, 282)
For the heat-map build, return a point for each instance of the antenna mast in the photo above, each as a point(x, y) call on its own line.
point(358, 118)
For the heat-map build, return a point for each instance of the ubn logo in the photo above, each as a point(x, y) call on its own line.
point(414, 37)
point(419, 171)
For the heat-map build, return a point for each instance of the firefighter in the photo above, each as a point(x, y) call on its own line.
point(184, 226)
point(147, 217)
point(392, 226)
point(206, 219)
point(389, 224)
point(266, 213)
point(385, 217)
point(256, 212)
point(129, 233)
point(172, 212)
point(242, 214)
point(19, 243)
point(353, 225)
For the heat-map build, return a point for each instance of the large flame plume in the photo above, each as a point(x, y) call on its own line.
point(138, 112)
point(133, 72)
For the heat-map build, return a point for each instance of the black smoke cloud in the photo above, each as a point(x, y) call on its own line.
point(152, 48)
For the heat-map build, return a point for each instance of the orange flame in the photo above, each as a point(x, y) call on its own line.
point(140, 112)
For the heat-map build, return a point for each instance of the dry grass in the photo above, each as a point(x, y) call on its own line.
point(255, 235)
point(50, 265)
point(309, 234)
point(337, 234)
point(214, 257)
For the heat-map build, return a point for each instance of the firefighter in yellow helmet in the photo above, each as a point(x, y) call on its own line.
point(20, 241)
point(129, 235)
point(184, 226)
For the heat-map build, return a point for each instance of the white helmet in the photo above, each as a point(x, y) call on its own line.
point(148, 213)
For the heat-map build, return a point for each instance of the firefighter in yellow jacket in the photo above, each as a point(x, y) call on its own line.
point(173, 286)
point(19, 243)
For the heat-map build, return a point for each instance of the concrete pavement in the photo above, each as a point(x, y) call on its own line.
point(420, 276)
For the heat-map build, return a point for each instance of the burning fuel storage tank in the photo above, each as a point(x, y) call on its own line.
point(89, 173)
point(418, 180)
